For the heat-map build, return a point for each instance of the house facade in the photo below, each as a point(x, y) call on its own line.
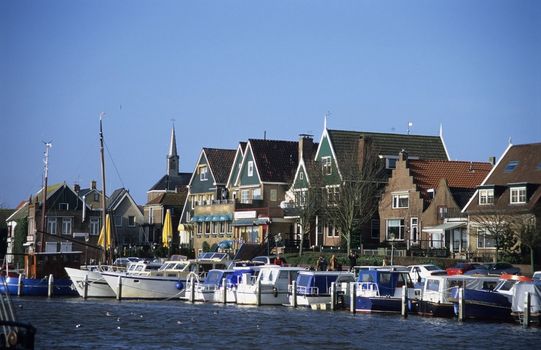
point(421, 205)
point(507, 200)
point(127, 220)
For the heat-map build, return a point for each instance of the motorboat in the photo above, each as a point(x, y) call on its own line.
point(380, 290)
point(96, 286)
point(314, 287)
point(208, 289)
point(519, 301)
point(268, 287)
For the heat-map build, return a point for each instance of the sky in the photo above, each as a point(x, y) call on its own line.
point(226, 71)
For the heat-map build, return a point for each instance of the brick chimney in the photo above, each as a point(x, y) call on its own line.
point(306, 145)
point(93, 185)
point(77, 188)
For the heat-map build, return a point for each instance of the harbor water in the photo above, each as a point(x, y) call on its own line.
point(73, 323)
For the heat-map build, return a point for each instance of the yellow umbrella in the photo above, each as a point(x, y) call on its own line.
point(167, 233)
point(107, 228)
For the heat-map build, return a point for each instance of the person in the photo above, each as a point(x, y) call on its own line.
point(321, 264)
point(333, 263)
point(352, 260)
point(278, 261)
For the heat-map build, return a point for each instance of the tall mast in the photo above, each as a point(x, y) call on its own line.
point(104, 209)
point(44, 195)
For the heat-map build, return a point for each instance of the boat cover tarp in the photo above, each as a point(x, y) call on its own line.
point(519, 296)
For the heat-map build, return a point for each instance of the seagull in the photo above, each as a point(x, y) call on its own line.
point(78, 325)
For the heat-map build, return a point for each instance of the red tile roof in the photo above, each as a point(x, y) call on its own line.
point(459, 174)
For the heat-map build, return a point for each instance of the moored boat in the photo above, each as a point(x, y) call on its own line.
point(314, 287)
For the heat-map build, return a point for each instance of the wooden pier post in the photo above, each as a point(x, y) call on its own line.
point(85, 287)
point(353, 297)
point(526, 316)
point(20, 285)
point(224, 294)
point(192, 290)
point(461, 304)
point(294, 293)
point(119, 289)
point(405, 301)
point(258, 292)
point(333, 295)
point(50, 286)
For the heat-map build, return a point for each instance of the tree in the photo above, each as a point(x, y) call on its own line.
point(21, 231)
point(497, 226)
point(355, 200)
point(529, 235)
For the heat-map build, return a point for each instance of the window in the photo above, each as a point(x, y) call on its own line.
point(485, 239)
point(300, 198)
point(511, 166)
point(150, 215)
point(257, 194)
point(486, 196)
point(245, 196)
point(96, 196)
point(131, 221)
point(273, 195)
point(400, 200)
point(331, 231)
point(333, 194)
point(94, 226)
point(251, 168)
point(66, 226)
point(207, 227)
point(63, 206)
point(414, 230)
point(395, 229)
point(118, 220)
point(301, 176)
point(326, 165)
point(390, 162)
point(203, 171)
point(51, 225)
point(518, 195)
point(442, 212)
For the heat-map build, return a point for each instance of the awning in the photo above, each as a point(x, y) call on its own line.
point(443, 227)
point(198, 218)
point(244, 222)
point(207, 218)
point(262, 221)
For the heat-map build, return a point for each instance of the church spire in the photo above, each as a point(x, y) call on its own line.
point(172, 156)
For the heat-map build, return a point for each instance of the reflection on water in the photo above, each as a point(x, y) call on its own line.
point(77, 324)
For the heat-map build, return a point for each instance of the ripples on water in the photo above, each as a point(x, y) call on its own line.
point(78, 324)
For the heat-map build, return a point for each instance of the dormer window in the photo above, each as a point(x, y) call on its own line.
point(518, 195)
point(486, 196)
point(511, 166)
point(390, 162)
point(400, 200)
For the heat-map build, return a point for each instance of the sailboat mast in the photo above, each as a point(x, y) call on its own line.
point(44, 195)
point(103, 201)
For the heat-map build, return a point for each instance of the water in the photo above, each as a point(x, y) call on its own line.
point(72, 323)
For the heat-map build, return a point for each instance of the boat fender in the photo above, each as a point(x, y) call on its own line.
point(275, 291)
point(180, 285)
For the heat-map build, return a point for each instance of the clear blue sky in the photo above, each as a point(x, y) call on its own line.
point(230, 70)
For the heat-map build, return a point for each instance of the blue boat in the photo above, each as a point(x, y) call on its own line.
point(381, 291)
point(314, 287)
point(39, 267)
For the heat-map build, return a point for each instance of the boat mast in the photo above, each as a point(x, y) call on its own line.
point(104, 209)
point(44, 195)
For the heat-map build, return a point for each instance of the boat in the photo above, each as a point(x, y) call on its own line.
point(209, 288)
point(96, 286)
point(13, 333)
point(314, 287)
point(487, 297)
point(47, 278)
point(380, 290)
point(269, 287)
point(519, 301)
point(436, 297)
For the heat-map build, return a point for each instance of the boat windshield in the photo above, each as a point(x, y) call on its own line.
point(432, 267)
point(174, 266)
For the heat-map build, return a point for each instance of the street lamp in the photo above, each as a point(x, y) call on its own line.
point(391, 239)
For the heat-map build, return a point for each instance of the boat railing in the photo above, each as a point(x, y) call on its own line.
point(367, 289)
point(306, 290)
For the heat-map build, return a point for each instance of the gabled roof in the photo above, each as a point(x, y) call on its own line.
point(171, 183)
point(220, 162)
point(117, 197)
point(170, 198)
point(20, 212)
point(345, 144)
point(276, 160)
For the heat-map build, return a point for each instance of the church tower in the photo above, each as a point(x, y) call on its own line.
point(172, 156)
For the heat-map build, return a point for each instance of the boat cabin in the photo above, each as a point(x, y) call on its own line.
point(40, 265)
point(319, 282)
point(388, 282)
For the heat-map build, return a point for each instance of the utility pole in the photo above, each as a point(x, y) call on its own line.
point(44, 195)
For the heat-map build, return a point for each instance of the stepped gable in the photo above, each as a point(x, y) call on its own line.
point(220, 161)
point(276, 160)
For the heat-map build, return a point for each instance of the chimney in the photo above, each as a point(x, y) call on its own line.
point(492, 160)
point(93, 185)
point(403, 155)
point(306, 145)
point(76, 188)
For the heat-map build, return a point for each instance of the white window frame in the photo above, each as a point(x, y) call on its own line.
point(52, 225)
point(398, 200)
point(301, 175)
point(333, 194)
point(118, 220)
point(517, 195)
point(257, 194)
point(486, 196)
point(67, 226)
point(203, 173)
point(401, 229)
point(273, 195)
point(414, 230)
point(251, 168)
point(245, 196)
point(482, 234)
point(326, 165)
point(390, 162)
point(94, 226)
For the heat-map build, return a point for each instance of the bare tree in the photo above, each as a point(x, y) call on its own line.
point(529, 235)
point(498, 226)
point(355, 201)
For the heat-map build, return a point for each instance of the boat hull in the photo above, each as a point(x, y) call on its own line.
point(37, 287)
point(434, 309)
point(484, 305)
point(97, 286)
point(269, 296)
point(142, 287)
point(378, 304)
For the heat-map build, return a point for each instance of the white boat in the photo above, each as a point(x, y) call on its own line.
point(212, 288)
point(97, 287)
point(314, 287)
point(274, 281)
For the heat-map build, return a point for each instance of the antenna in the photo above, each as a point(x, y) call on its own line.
point(327, 115)
point(410, 125)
